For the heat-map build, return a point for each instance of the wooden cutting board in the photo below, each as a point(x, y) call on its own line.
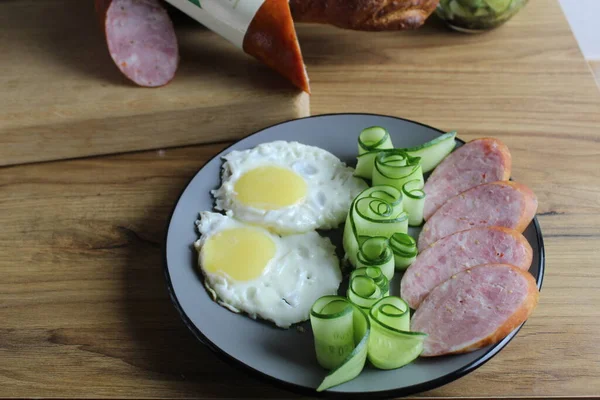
point(61, 95)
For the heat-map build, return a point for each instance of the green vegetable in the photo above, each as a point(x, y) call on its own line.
point(391, 344)
point(405, 250)
point(395, 168)
point(375, 212)
point(414, 201)
point(370, 142)
point(476, 15)
point(341, 330)
point(367, 285)
point(433, 152)
point(376, 252)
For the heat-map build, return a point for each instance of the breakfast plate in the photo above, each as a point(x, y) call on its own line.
point(286, 357)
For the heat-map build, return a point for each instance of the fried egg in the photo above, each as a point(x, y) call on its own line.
point(249, 269)
point(287, 187)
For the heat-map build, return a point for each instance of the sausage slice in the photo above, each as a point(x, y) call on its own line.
point(475, 308)
point(477, 162)
point(141, 40)
point(508, 204)
point(461, 251)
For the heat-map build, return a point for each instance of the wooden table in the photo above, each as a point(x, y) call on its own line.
point(83, 306)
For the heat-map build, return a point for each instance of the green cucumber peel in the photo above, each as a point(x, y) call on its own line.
point(341, 330)
point(391, 343)
point(374, 138)
point(433, 152)
point(375, 212)
point(405, 250)
point(371, 141)
point(376, 252)
point(395, 168)
point(367, 285)
point(414, 201)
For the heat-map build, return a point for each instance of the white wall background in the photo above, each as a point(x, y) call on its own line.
point(584, 18)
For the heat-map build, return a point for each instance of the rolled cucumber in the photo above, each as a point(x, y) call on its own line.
point(375, 212)
point(391, 344)
point(376, 252)
point(341, 330)
point(433, 152)
point(395, 168)
point(414, 201)
point(405, 250)
point(367, 286)
point(370, 142)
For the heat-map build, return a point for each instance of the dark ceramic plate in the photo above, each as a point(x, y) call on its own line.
point(286, 357)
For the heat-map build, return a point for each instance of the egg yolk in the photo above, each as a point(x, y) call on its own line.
point(270, 188)
point(240, 253)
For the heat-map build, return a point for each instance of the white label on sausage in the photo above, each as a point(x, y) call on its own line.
point(228, 18)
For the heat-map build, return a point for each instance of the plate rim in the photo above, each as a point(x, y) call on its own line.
point(303, 390)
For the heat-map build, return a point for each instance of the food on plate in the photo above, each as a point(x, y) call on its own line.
point(478, 161)
point(368, 15)
point(287, 187)
point(433, 152)
point(375, 213)
point(374, 140)
point(345, 336)
point(508, 204)
point(460, 251)
point(141, 40)
point(248, 269)
point(263, 29)
point(475, 308)
point(395, 168)
point(367, 285)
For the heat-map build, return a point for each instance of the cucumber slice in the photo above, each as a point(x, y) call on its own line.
point(367, 286)
point(376, 252)
point(414, 201)
point(395, 168)
point(370, 142)
point(457, 10)
point(341, 329)
point(433, 152)
point(405, 250)
point(391, 344)
point(374, 138)
point(375, 212)
point(498, 6)
point(364, 165)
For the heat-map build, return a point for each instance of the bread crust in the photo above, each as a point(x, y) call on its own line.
point(364, 15)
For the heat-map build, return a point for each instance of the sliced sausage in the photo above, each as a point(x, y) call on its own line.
point(508, 204)
point(475, 308)
point(477, 162)
point(141, 40)
point(271, 38)
point(460, 251)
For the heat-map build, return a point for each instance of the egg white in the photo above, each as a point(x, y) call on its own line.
point(331, 187)
point(303, 269)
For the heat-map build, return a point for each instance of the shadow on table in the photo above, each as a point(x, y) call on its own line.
point(164, 348)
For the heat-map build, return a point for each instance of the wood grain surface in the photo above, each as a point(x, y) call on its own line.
point(61, 95)
point(83, 306)
point(595, 66)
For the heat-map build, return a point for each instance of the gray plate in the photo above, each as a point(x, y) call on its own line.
point(286, 357)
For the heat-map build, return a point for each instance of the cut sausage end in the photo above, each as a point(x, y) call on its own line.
point(475, 308)
point(271, 38)
point(141, 40)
